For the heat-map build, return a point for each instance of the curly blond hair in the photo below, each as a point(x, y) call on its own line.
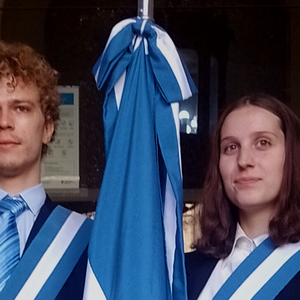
point(20, 61)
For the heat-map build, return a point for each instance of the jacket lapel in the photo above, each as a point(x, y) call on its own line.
point(198, 269)
point(45, 212)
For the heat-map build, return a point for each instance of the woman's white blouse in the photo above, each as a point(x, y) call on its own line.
point(242, 247)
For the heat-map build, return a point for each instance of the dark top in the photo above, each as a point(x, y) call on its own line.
point(199, 268)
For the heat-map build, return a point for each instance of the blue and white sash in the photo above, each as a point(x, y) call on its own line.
point(50, 258)
point(263, 274)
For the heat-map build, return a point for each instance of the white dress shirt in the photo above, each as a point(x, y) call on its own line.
point(35, 198)
point(242, 247)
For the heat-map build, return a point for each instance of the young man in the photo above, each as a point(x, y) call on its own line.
point(52, 240)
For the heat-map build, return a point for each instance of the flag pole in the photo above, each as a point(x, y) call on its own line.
point(145, 9)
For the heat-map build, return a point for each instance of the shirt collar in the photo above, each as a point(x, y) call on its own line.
point(241, 234)
point(34, 197)
point(2, 194)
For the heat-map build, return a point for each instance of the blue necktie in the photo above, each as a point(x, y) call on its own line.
point(9, 237)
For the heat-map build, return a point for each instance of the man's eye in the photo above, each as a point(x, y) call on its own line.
point(22, 108)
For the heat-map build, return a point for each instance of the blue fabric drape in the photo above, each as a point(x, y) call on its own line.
point(127, 252)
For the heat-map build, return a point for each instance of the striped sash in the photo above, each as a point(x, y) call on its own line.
point(50, 258)
point(263, 274)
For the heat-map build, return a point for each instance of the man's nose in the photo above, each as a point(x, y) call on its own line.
point(6, 119)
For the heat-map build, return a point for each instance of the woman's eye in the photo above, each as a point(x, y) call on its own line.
point(230, 148)
point(263, 143)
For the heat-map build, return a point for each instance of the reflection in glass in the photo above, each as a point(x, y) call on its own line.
point(189, 108)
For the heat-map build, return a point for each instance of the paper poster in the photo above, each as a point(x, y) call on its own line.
point(60, 167)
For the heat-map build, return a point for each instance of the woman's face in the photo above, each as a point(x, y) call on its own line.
point(252, 156)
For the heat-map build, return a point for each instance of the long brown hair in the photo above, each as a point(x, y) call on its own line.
point(218, 216)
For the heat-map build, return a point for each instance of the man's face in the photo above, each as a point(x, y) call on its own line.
point(22, 131)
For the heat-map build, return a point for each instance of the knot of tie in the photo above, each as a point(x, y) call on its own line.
point(13, 205)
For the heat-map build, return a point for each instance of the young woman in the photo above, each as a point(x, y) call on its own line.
point(250, 219)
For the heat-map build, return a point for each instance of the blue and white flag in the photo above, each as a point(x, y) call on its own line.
point(136, 249)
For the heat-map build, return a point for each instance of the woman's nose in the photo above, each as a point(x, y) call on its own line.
point(245, 158)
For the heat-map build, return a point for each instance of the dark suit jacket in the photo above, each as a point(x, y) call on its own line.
point(74, 286)
point(198, 270)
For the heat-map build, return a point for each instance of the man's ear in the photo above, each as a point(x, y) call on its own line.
point(48, 130)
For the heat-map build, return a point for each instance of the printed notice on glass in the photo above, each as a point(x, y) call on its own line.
point(60, 167)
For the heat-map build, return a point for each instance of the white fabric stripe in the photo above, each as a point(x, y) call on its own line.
point(170, 218)
point(118, 88)
point(92, 289)
point(265, 271)
point(146, 47)
point(117, 28)
point(97, 75)
point(170, 227)
point(136, 41)
point(175, 110)
point(143, 26)
point(168, 49)
point(51, 257)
